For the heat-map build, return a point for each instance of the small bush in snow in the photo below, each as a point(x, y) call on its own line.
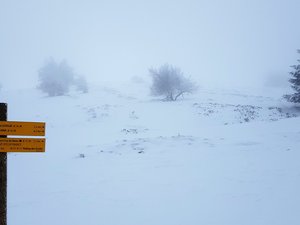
point(170, 82)
point(81, 155)
point(295, 81)
point(81, 84)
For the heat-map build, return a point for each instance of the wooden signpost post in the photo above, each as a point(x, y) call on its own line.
point(16, 145)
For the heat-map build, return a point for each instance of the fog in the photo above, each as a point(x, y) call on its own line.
point(223, 43)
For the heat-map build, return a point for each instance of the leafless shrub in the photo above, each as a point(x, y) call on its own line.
point(170, 82)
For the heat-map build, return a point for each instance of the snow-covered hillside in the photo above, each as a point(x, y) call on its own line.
point(121, 158)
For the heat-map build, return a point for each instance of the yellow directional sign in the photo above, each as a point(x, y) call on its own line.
point(22, 128)
point(22, 144)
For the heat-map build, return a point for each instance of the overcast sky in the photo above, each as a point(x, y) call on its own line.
point(225, 42)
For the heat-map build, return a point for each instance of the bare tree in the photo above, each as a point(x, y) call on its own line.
point(55, 78)
point(170, 82)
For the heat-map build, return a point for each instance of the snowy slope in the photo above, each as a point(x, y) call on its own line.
point(123, 158)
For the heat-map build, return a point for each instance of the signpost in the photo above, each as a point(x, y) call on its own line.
point(3, 172)
point(16, 145)
point(22, 144)
point(22, 128)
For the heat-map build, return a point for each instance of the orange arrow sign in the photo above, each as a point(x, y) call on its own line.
point(22, 144)
point(22, 128)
